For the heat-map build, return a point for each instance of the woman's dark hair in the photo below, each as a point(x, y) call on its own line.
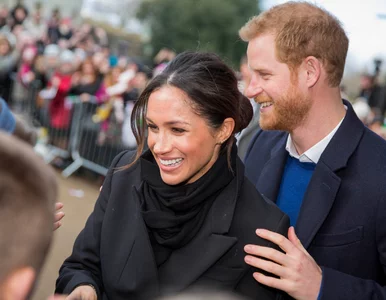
point(212, 87)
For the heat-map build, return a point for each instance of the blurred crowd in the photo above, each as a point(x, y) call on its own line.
point(44, 62)
point(370, 104)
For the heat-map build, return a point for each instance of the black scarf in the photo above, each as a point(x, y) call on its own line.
point(175, 214)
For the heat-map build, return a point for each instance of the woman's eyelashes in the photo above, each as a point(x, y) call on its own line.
point(153, 127)
point(178, 130)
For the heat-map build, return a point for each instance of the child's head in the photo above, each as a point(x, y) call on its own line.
point(28, 192)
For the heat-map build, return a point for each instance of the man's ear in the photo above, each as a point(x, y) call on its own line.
point(18, 285)
point(226, 130)
point(313, 69)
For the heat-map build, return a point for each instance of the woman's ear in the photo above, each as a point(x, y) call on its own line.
point(226, 130)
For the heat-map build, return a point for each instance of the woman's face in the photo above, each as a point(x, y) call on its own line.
point(183, 144)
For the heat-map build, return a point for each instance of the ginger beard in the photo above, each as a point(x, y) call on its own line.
point(286, 113)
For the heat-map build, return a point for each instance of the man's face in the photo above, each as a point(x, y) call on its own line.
point(283, 102)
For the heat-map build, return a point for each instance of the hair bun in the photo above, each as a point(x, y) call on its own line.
point(245, 113)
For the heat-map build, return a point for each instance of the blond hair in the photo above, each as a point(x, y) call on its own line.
point(302, 29)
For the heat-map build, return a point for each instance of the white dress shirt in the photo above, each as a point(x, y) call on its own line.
point(313, 154)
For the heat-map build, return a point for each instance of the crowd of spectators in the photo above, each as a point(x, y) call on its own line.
point(370, 105)
point(44, 62)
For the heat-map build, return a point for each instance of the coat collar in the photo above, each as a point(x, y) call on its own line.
point(209, 245)
point(187, 264)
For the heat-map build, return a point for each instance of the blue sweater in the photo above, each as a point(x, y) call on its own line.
point(294, 183)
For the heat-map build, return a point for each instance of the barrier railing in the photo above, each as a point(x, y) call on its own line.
point(76, 131)
point(95, 143)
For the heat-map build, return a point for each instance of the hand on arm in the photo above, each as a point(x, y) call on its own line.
point(298, 273)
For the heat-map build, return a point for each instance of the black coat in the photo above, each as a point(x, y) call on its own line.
point(114, 253)
point(342, 218)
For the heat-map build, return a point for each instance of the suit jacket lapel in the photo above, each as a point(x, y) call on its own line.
point(325, 182)
point(208, 246)
point(318, 200)
point(270, 177)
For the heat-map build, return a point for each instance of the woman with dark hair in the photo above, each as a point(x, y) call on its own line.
point(177, 216)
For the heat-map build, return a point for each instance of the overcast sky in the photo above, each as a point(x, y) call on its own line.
point(366, 30)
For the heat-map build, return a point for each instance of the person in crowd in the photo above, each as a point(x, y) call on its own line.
point(53, 27)
point(110, 113)
point(36, 26)
point(245, 136)
point(10, 50)
point(4, 15)
point(18, 15)
point(377, 125)
point(24, 81)
point(315, 159)
point(161, 60)
point(178, 215)
point(55, 94)
point(362, 110)
point(28, 193)
point(51, 60)
point(86, 82)
point(373, 92)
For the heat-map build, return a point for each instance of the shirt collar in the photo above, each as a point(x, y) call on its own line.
point(313, 154)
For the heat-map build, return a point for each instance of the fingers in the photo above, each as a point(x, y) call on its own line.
point(271, 281)
point(59, 216)
point(57, 225)
point(265, 265)
point(275, 238)
point(58, 205)
point(267, 253)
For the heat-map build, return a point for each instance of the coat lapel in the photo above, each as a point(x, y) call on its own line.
point(139, 272)
point(179, 272)
point(318, 200)
point(324, 185)
point(270, 177)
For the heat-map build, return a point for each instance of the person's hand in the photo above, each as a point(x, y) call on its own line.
point(299, 274)
point(83, 292)
point(58, 215)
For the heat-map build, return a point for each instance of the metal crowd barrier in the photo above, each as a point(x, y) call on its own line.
point(74, 129)
point(95, 142)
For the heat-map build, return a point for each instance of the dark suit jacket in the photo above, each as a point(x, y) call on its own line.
point(114, 253)
point(342, 217)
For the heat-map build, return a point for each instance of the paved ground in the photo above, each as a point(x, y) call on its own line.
point(77, 210)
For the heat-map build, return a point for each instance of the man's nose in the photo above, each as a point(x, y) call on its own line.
point(254, 88)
